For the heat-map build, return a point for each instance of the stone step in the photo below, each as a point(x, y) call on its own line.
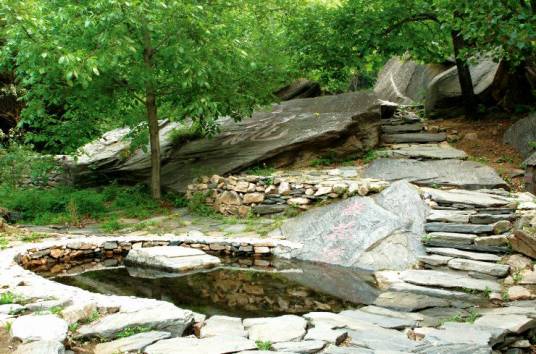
point(402, 128)
point(425, 152)
point(465, 246)
point(465, 197)
point(493, 269)
point(451, 216)
point(456, 253)
point(490, 218)
point(400, 121)
point(413, 138)
point(458, 228)
point(450, 237)
point(445, 279)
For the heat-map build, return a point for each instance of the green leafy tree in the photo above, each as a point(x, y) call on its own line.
point(114, 62)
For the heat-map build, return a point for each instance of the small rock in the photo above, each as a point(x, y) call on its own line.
point(287, 328)
point(333, 336)
point(435, 260)
point(41, 347)
point(524, 243)
point(223, 325)
point(36, 328)
point(501, 227)
point(497, 240)
point(299, 201)
point(229, 198)
point(250, 198)
point(518, 262)
point(305, 347)
point(518, 292)
point(78, 311)
point(284, 188)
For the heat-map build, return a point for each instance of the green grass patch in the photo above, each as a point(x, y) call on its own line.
point(263, 345)
point(130, 331)
point(33, 237)
point(260, 170)
point(67, 205)
point(7, 298)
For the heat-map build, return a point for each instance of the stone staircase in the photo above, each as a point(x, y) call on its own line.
point(466, 230)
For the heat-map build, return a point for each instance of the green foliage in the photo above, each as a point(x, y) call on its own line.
point(185, 133)
point(32, 237)
point(93, 316)
point(19, 163)
point(260, 170)
point(263, 345)
point(7, 298)
point(372, 155)
point(88, 66)
point(73, 327)
point(56, 310)
point(197, 206)
point(112, 224)
point(3, 242)
point(72, 206)
point(130, 331)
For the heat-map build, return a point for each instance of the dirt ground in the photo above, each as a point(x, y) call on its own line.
point(485, 145)
point(6, 346)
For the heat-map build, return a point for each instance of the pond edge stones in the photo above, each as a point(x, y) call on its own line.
point(171, 258)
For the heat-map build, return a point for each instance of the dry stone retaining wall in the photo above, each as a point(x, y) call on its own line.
point(262, 195)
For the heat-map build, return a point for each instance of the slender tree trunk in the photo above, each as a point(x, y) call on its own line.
point(464, 76)
point(152, 116)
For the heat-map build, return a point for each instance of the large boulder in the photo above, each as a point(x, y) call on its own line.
point(370, 233)
point(444, 93)
point(405, 81)
point(301, 88)
point(344, 124)
point(521, 134)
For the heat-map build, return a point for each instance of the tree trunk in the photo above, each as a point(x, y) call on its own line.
point(464, 76)
point(152, 116)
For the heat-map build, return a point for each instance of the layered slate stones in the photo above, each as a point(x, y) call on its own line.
point(346, 123)
point(458, 228)
point(425, 152)
point(31, 328)
point(414, 138)
point(493, 269)
point(165, 317)
point(210, 345)
point(371, 233)
point(453, 252)
point(448, 280)
point(287, 328)
point(466, 197)
point(454, 173)
point(173, 259)
point(308, 346)
point(133, 344)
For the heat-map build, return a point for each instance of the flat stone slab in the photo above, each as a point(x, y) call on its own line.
point(132, 344)
point(166, 318)
point(210, 345)
point(305, 347)
point(490, 218)
point(287, 328)
point(435, 260)
point(223, 325)
point(465, 333)
point(171, 258)
point(41, 347)
point(381, 339)
point(450, 237)
point(458, 196)
point(380, 320)
point(453, 252)
point(454, 216)
point(454, 173)
point(511, 323)
point(493, 269)
point(414, 138)
point(427, 151)
point(406, 301)
point(31, 328)
point(448, 280)
point(460, 228)
point(328, 335)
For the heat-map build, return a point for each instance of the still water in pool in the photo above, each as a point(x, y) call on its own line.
point(238, 290)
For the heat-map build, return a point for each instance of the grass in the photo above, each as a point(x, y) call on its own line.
point(7, 298)
point(263, 345)
point(260, 170)
point(56, 310)
point(73, 327)
point(3, 242)
point(33, 237)
point(331, 158)
point(111, 225)
point(68, 205)
point(372, 155)
point(469, 318)
point(517, 276)
point(94, 316)
point(196, 205)
point(8, 326)
point(130, 331)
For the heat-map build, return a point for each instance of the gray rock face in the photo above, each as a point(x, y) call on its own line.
point(511, 323)
point(166, 317)
point(380, 320)
point(444, 90)
point(134, 344)
point(453, 252)
point(39, 328)
point(334, 336)
point(465, 333)
point(287, 328)
point(380, 233)
point(178, 259)
point(460, 228)
point(455, 173)
point(347, 124)
point(211, 345)
point(381, 339)
point(448, 280)
point(406, 301)
point(405, 81)
point(521, 133)
point(41, 347)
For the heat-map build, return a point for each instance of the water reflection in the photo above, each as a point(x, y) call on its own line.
point(239, 288)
